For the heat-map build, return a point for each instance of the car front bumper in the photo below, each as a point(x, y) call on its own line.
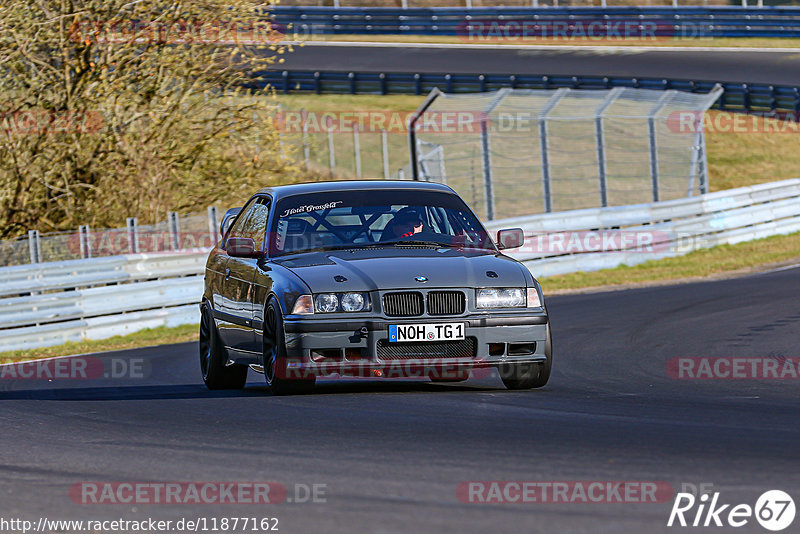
point(350, 347)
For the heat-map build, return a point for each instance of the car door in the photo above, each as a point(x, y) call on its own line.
point(226, 307)
point(239, 282)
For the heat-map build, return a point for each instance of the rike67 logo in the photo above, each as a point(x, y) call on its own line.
point(774, 510)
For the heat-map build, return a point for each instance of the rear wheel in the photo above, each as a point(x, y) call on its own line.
point(276, 372)
point(214, 357)
point(529, 375)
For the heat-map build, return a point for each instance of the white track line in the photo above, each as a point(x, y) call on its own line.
point(571, 48)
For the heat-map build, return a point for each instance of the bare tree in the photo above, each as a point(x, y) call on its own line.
point(114, 108)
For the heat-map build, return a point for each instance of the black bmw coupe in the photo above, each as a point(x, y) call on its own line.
point(382, 279)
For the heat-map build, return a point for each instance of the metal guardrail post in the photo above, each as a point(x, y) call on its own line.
point(213, 224)
point(34, 247)
point(601, 148)
point(85, 241)
point(544, 148)
point(174, 231)
point(357, 150)
point(133, 235)
point(385, 153)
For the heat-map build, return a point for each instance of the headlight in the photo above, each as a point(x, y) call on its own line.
point(303, 305)
point(354, 302)
point(326, 303)
point(500, 298)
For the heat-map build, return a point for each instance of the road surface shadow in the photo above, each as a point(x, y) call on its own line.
point(199, 391)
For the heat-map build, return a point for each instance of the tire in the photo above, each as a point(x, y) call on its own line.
point(213, 357)
point(529, 375)
point(274, 356)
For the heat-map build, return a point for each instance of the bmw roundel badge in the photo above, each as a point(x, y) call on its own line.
point(421, 279)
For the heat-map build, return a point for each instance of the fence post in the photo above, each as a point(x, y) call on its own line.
point(412, 134)
point(357, 150)
point(544, 148)
point(653, 140)
point(174, 230)
point(486, 159)
point(600, 140)
point(280, 135)
point(133, 235)
point(331, 150)
point(34, 247)
point(487, 168)
point(385, 153)
point(306, 148)
point(213, 225)
point(86, 244)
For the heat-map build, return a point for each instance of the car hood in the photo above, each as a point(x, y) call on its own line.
point(368, 270)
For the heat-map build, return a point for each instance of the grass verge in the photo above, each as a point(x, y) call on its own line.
point(723, 260)
point(143, 338)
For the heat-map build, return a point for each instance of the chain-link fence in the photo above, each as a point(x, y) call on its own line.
point(508, 153)
point(519, 152)
point(189, 232)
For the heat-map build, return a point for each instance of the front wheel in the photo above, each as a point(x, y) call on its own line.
point(529, 375)
point(276, 372)
point(214, 357)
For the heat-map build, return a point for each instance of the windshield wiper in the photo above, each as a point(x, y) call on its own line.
point(424, 243)
point(352, 246)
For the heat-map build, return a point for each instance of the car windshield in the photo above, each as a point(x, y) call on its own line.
point(374, 218)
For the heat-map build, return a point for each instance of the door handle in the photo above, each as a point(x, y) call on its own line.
point(227, 273)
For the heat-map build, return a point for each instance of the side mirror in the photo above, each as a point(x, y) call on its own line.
point(241, 247)
point(510, 238)
point(227, 220)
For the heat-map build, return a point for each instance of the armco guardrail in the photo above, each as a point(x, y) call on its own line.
point(592, 239)
point(667, 21)
point(736, 97)
point(51, 303)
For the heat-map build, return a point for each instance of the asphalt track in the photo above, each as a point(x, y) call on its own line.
point(392, 453)
point(762, 67)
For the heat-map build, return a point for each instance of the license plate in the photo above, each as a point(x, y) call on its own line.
point(398, 333)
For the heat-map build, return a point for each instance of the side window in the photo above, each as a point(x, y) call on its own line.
point(255, 227)
point(241, 220)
